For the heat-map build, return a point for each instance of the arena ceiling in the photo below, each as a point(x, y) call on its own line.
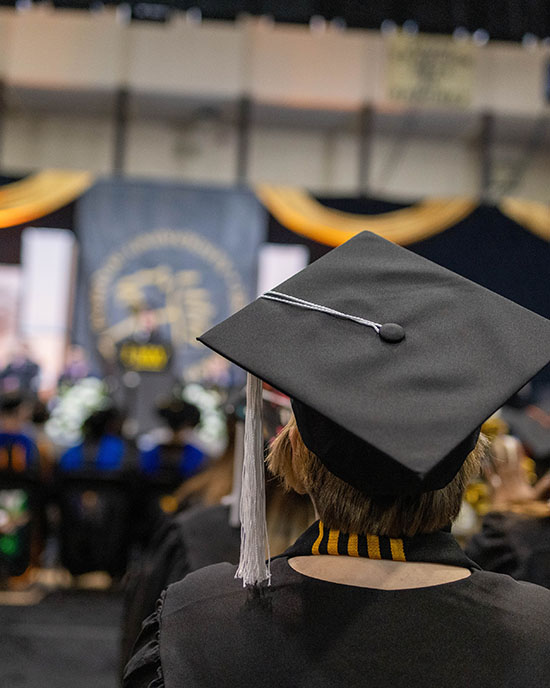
point(511, 20)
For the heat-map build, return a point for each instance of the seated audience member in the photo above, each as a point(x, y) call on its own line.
point(175, 457)
point(76, 367)
point(167, 456)
point(22, 374)
point(102, 447)
point(164, 559)
point(21, 491)
point(17, 449)
point(45, 446)
point(95, 492)
point(515, 534)
point(530, 423)
point(203, 535)
point(392, 364)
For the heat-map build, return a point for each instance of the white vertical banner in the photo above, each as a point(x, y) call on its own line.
point(278, 262)
point(47, 288)
point(10, 284)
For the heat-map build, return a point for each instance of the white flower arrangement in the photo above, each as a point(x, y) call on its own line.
point(211, 432)
point(71, 409)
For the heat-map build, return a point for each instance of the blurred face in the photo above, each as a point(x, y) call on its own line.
point(14, 421)
point(148, 320)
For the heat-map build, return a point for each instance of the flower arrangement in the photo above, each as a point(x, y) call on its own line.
point(211, 431)
point(73, 405)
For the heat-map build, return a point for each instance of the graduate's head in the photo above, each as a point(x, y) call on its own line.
point(343, 507)
point(101, 422)
point(392, 363)
point(15, 411)
point(11, 404)
point(178, 414)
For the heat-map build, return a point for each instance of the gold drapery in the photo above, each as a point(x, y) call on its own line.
point(532, 215)
point(298, 211)
point(47, 191)
point(301, 213)
point(40, 194)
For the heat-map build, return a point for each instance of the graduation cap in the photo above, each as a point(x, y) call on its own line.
point(178, 413)
point(391, 361)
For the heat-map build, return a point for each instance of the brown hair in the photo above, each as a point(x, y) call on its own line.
point(209, 486)
point(343, 507)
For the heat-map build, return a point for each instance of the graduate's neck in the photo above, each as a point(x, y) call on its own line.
point(378, 574)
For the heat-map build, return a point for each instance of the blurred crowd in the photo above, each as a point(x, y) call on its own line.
point(75, 489)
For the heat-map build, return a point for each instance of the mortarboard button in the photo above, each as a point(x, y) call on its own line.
point(391, 332)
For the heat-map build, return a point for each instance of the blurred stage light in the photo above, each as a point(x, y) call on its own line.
point(151, 11)
point(194, 15)
point(388, 26)
point(338, 24)
point(480, 37)
point(461, 34)
point(23, 5)
point(123, 13)
point(410, 27)
point(317, 24)
point(530, 41)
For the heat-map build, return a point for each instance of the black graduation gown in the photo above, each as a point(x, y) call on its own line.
point(189, 541)
point(513, 544)
point(485, 630)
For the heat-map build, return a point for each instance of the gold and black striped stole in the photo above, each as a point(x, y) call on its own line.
point(439, 547)
point(330, 541)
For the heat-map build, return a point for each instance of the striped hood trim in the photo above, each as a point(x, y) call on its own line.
point(439, 547)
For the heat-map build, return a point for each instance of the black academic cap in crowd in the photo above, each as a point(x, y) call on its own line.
point(10, 402)
point(178, 413)
point(531, 425)
point(392, 362)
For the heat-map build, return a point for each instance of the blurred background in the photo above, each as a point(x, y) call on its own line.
point(161, 164)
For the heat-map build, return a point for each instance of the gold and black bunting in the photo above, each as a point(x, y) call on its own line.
point(40, 194)
point(301, 213)
point(298, 211)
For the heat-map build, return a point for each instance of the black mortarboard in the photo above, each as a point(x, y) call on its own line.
point(178, 413)
point(392, 362)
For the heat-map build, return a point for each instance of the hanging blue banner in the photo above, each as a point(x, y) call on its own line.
point(160, 263)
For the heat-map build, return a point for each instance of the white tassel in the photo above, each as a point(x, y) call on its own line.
point(253, 568)
point(234, 499)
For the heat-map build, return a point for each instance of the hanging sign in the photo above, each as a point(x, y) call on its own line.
point(429, 70)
